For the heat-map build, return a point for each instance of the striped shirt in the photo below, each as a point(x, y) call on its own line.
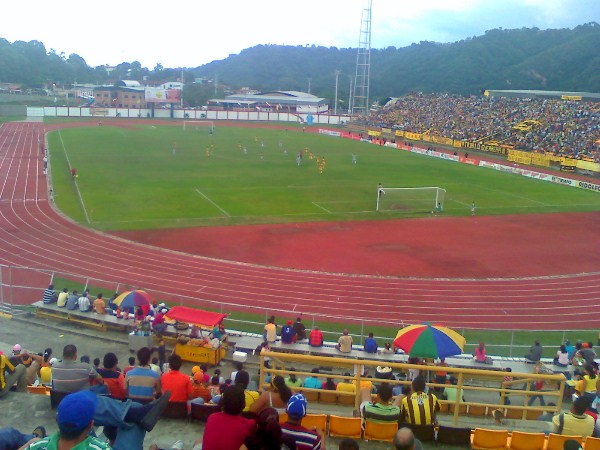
point(299, 438)
point(141, 384)
point(378, 413)
point(72, 376)
point(51, 443)
point(49, 296)
point(419, 408)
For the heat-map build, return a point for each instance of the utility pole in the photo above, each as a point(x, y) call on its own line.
point(337, 74)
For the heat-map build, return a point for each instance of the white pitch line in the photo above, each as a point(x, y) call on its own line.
point(319, 206)
point(213, 203)
point(87, 218)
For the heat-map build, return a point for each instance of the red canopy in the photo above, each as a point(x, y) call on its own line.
point(198, 317)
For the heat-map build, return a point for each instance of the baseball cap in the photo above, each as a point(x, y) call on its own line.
point(289, 322)
point(76, 410)
point(296, 407)
point(196, 369)
point(199, 376)
point(17, 348)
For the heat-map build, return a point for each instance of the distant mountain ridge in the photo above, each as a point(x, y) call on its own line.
point(526, 58)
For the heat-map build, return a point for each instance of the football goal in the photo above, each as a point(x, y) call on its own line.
point(413, 199)
point(196, 125)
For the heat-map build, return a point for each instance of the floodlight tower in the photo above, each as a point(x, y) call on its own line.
point(360, 100)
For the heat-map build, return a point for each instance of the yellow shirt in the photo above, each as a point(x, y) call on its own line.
point(346, 387)
point(62, 299)
point(4, 364)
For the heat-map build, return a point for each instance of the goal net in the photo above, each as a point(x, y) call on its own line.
point(415, 199)
point(196, 125)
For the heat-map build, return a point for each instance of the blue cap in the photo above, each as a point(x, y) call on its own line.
point(296, 407)
point(76, 410)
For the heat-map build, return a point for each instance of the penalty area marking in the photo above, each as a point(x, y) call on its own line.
point(321, 207)
point(213, 203)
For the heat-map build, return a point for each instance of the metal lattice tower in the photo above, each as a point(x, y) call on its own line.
point(360, 98)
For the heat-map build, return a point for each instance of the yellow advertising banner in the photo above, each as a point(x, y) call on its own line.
point(571, 97)
point(588, 165)
point(539, 159)
point(374, 133)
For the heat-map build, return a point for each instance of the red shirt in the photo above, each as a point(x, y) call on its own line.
point(226, 432)
point(179, 384)
point(316, 338)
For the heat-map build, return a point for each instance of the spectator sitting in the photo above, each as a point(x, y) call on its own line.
point(300, 329)
point(576, 422)
point(344, 344)
point(72, 301)
point(242, 379)
point(178, 383)
point(292, 380)
point(70, 375)
point(143, 383)
point(451, 391)
point(587, 352)
point(50, 296)
point(562, 357)
point(113, 379)
point(419, 407)
point(293, 434)
point(268, 432)
point(131, 365)
point(11, 438)
point(84, 302)
point(227, 430)
point(313, 382)
point(276, 396)
point(215, 389)
point(288, 335)
point(61, 301)
point(316, 338)
point(404, 439)
point(200, 393)
point(329, 385)
point(348, 444)
point(370, 344)
point(158, 324)
point(480, 354)
point(382, 410)
point(154, 365)
point(270, 334)
point(346, 385)
point(570, 349)
point(535, 352)
point(10, 374)
point(99, 305)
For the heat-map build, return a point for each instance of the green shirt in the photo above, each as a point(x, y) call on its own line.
point(51, 443)
point(376, 412)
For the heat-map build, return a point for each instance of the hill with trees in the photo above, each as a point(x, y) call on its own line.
point(526, 58)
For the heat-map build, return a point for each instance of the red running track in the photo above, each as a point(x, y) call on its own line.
point(34, 234)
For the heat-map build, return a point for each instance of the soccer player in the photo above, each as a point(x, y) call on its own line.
point(380, 190)
point(354, 158)
point(473, 208)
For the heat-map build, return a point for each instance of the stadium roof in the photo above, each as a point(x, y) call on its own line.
point(285, 97)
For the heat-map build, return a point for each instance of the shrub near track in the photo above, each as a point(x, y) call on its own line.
point(129, 178)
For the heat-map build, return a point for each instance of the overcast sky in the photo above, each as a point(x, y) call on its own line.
point(189, 33)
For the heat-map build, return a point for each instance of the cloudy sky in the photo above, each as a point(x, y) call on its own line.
point(189, 33)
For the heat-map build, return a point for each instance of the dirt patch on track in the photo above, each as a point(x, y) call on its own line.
point(467, 247)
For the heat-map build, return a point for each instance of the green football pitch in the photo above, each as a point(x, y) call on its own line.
point(160, 176)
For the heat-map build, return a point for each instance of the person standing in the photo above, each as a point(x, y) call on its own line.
point(473, 208)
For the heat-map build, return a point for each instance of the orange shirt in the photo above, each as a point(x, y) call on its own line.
point(199, 390)
point(99, 306)
point(179, 385)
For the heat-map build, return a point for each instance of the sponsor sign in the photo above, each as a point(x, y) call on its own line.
point(589, 186)
point(157, 95)
point(330, 132)
point(561, 180)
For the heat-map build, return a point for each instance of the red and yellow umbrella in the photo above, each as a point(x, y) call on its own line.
point(429, 341)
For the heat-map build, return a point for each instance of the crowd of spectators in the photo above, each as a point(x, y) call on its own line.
point(569, 128)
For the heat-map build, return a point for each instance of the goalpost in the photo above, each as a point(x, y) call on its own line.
point(415, 199)
point(197, 124)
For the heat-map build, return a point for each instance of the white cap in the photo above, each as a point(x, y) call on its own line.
point(53, 361)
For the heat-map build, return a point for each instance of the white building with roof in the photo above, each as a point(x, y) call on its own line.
point(283, 101)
